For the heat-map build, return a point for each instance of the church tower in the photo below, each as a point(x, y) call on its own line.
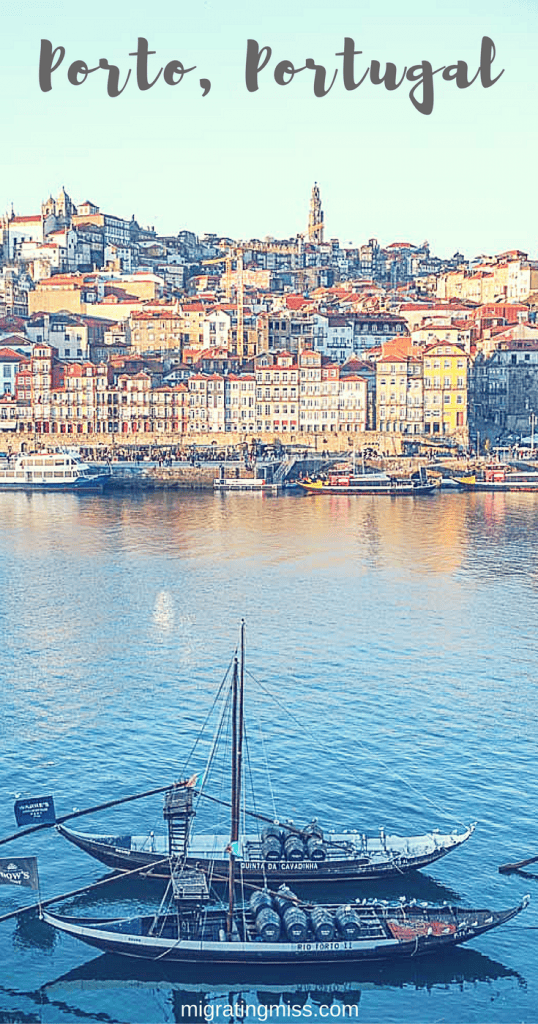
point(65, 208)
point(315, 217)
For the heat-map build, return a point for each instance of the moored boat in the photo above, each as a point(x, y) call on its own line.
point(326, 857)
point(267, 927)
point(499, 478)
point(51, 469)
point(268, 850)
point(288, 932)
point(371, 483)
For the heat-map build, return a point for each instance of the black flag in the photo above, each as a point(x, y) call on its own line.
point(37, 810)
point(19, 871)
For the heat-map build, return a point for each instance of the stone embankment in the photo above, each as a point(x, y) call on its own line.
point(178, 476)
point(146, 475)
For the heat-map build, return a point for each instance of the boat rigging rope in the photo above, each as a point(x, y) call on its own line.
point(86, 888)
point(264, 749)
point(323, 749)
point(215, 743)
point(210, 712)
point(165, 899)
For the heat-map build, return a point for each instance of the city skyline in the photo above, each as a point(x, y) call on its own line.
point(242, 164)
point(171, 230)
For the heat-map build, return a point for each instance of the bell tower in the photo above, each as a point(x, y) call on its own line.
point(315, 217)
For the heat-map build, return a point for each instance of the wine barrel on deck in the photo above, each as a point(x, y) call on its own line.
point(271, 849)
point(293, 847)
point(322, 924)
point(260, 899)
point(268, 924)
point(348, 922)
point(315, 848)
point(271, 838)
point(295, 923)
point(294, 919)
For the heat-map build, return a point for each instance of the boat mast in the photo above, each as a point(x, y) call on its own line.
point(237, 752)
point(240, 727)
point(233, 828)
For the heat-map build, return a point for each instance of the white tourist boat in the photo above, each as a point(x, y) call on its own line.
point(51, 469)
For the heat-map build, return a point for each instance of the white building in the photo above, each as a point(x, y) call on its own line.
point(333, 336)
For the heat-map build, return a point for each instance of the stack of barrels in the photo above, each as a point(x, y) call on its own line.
point(267, 919)
point(280, 915)
point(287, 844)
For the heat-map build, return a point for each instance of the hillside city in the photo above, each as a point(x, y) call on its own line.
point(109, 330)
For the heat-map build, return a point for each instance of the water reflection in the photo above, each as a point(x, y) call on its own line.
point(296, 987)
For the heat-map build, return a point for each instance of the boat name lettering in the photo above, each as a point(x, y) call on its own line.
point(283, 865)
point(314, 947)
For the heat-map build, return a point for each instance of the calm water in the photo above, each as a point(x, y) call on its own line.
point(393, 656)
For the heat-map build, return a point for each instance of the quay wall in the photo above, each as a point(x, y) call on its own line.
point(184, 476)
point(391, 444)
point(180, 476)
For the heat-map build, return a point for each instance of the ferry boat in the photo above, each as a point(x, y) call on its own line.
point(51, 469)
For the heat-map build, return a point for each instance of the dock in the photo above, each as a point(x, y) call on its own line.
point(245, 485)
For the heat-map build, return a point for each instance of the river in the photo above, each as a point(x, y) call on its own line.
point(392, 657)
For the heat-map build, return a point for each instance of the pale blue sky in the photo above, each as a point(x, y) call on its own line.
point(243, 164)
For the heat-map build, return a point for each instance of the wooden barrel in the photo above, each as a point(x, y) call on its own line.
point(260, 899)
point(315, 848)
point(271, 848)
point(348, 922)
point(295, 923)
point(293, 847)
point(268, 924)
point(322, 924)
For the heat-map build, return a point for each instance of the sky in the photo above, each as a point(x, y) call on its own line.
point(241, 163)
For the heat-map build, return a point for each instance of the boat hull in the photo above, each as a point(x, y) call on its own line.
point(482, 485)
point(391, 490)
point(111, 852)
point(398, 939)
point(95, 485)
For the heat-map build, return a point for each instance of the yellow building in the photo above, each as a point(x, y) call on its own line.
point(399, 391)
point(446, 367)
point(153, 330)
point(193, 314)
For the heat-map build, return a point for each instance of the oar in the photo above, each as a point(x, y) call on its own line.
point(505, 869)
point(78, 892)
point(152, 792)
point(91, 810)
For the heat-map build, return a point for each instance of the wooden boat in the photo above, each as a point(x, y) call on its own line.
point(273, 852)
point(274, 928)
point(297, 934)
point(54, 469)
point(499, 478)
point(340, 856)
point(372, 483)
